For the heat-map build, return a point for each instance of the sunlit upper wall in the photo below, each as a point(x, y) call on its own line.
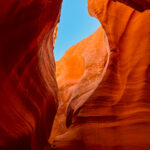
point(75, 25)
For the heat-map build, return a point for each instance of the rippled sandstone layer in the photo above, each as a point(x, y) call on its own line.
point(140, 5)
point(115, 112)
point(78, 72)
point(28, 89)
point(103, 88)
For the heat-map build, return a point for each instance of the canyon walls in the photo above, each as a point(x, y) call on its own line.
point(28, 88)
point(111, 110)
point(77, 73)
point(103, 81)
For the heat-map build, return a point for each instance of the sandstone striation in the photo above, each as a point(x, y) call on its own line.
point(113, 112)
point(77, 73)
point(140, 5)
point(28, 89)
point(103, 81)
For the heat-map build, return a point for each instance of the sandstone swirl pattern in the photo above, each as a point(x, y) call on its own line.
point(28, 89)
point(78, 73)
point(103, 81)
point(115, 114)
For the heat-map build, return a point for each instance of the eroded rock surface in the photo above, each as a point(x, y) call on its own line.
point(115, 113)
point(103, 88)
point(28, 89)
point(140, 5)
point(78, 74)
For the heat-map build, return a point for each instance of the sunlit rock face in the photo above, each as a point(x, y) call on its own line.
point(110, 111)
point(28, 89)
point(139, 5)
point(103, 81)
point(78, 74)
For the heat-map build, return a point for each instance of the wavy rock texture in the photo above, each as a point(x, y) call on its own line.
point(28, 89)
point(78, 73)
point(113, 111)
point(140, 5)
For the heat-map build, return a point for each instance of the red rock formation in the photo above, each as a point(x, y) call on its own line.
point(28, 89)
point(106, 92)
point(115, 114)
point(79, 70)
point(140, 5)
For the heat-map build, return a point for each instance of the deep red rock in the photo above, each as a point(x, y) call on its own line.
point(104, 89)
point(140, 5)
point(28, 89)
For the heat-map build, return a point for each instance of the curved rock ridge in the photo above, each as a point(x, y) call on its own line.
point(114, 113)
point(77, 73)
point(28, 88)
point(140, 5)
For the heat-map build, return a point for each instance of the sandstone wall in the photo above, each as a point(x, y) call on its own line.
point(78, 74)
point(115, 113)
point(28, 88)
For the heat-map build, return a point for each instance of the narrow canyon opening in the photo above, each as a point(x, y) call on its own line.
point(81, 53)
point(95, 96)
point(75, 25)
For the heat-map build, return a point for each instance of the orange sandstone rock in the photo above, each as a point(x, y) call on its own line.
point(78, 74)
point(115, 112)
point(140, 5)
point(28, 89)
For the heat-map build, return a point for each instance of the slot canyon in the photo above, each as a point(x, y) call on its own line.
point(96, 97)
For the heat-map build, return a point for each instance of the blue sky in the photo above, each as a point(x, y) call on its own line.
point(75, 25)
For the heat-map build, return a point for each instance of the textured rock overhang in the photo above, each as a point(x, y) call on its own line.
point(139, 5)
point(28, 88)
point(107, 100)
